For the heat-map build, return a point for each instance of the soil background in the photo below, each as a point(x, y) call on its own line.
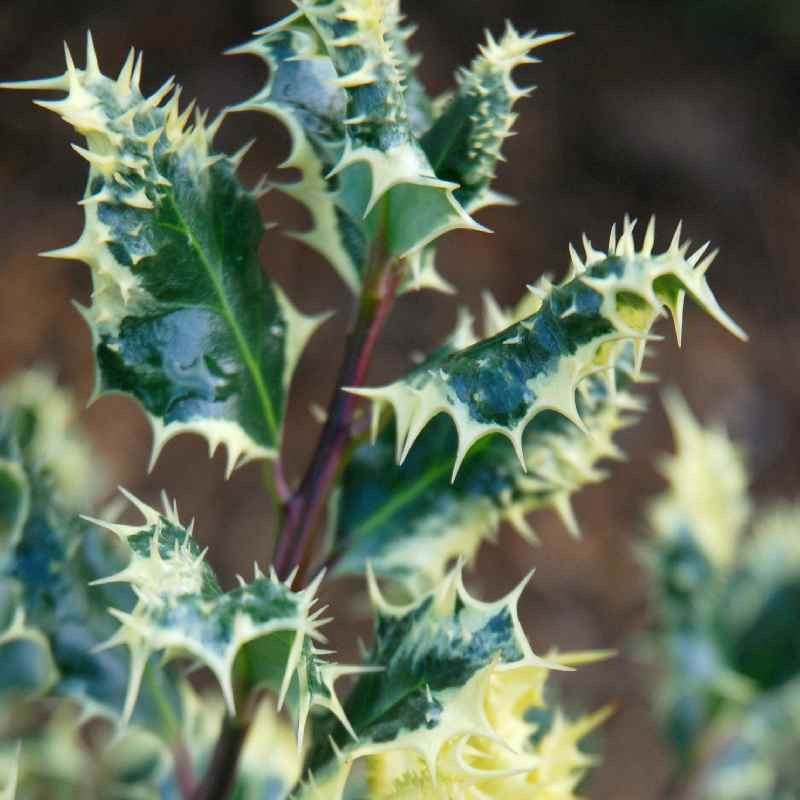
point(687, 109)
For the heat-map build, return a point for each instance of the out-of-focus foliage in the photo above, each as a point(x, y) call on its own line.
point(261, 634)
point(757, 759)
point(51, 618)
point(726, 589)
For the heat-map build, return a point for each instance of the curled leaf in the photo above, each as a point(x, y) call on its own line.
point(465, 143)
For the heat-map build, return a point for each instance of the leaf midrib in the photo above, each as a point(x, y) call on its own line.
point(405, 497)
point(385, 710)
point(230, 318)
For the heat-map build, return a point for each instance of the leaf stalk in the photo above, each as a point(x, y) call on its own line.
point(382, 281)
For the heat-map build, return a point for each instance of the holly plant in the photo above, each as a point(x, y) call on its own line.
point(100, 619)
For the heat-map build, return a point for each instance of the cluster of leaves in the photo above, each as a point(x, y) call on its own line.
point(449, 700)
point(556, 383)
point(449, 678)
point(726, 582)
point(59, 642)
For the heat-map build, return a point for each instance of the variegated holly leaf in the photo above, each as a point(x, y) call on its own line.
point(553, 742)
point(382, 157)
point(258, 635)
point(707, 496)
point(39, 424)
point(699, 685)
point(727, 602)
point(410, 521)
point(498, 385)
point(50, 619)
point(419, 105)
point(456, 677)
point(301, 93)
point(341, 81)
point(29, 667)
point(57, 761)
point(181, 316)
point(698, 523)
point(697, 526)
point(464, 144)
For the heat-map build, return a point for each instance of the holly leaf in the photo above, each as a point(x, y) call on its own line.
point(446, 708)
point(697, 527)
point(260, 634)
point(302, 94)
point(707, 499)
point(499, 384)
point(759, 756)
point(759, 606)
point(182, 318)
point(465, 142)
point(382, 159)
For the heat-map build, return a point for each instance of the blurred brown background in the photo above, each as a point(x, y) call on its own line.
point(685, 108)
